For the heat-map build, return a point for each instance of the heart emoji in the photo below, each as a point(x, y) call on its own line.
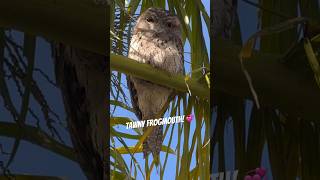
point(189, 118)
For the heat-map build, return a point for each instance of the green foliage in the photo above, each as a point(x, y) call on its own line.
point(292, 140)
point(196, 81)
point(17, 68)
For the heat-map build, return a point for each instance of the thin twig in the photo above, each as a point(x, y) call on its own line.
point(268, 10)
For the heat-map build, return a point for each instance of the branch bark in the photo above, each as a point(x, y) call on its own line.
point(78, 23)
point(146, 72)
point(36, 136)
point(72, 22)
point(277, 85)
point(33, 177)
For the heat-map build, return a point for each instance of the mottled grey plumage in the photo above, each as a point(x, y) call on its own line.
point(81, 76)
point(223, 17)
point(156, 41)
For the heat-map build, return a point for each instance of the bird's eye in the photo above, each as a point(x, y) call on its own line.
point(150, 19)
point(169, 24)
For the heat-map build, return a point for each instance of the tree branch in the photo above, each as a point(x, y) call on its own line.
point(277, 85)
point(33, 177)
point(36, 136)
point(71, 22)
point(147, 72)
point(78, 23)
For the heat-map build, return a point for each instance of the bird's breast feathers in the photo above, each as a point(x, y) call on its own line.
point(162, 53)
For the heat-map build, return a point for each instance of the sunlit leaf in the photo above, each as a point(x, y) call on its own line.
point(123, 150)
point(314, 63)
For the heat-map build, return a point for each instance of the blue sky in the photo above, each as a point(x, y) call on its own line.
point(248, 24)
point(32, 159)
point(171, 164)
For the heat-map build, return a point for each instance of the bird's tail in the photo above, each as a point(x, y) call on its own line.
point(153, 143)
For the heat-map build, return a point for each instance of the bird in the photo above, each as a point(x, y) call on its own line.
point(224, 17)
point(82, 78)
point(156, 40)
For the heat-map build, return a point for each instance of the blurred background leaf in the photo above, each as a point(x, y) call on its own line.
point(284, 142)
